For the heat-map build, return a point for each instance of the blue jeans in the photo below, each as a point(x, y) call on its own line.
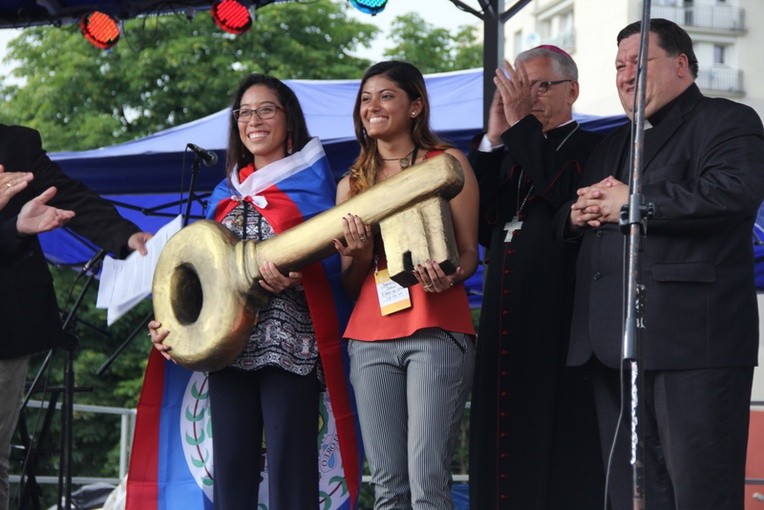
point(410, 394)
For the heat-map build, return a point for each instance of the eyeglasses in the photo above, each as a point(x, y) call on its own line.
point(263, 113)
point(543, 86)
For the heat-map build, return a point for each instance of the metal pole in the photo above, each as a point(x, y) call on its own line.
point(633, 222)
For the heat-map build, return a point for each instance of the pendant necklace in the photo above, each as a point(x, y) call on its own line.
point(406, 161)
point(513, 226)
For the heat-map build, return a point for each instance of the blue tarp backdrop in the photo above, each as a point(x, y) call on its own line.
point(156, 170)
point(148, 178)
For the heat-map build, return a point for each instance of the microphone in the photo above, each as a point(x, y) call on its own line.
point(208, 157)
point(94, 260)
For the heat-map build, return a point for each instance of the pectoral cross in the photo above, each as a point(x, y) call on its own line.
point(511, 227)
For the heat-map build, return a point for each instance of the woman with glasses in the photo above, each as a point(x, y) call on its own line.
point(411, 369)
point(277, 177)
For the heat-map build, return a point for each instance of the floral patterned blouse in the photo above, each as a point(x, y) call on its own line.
point(284, 335)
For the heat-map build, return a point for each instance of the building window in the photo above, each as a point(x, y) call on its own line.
point(517, 42)
point(720, 55)
point(558, 29)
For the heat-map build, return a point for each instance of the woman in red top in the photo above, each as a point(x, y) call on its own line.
point(411, 355)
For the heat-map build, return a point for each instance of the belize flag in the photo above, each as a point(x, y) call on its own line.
point(171, 461)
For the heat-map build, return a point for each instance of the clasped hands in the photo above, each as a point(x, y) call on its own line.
point(599, 203)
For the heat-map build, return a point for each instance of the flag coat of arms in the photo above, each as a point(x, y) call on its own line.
point(171, 461)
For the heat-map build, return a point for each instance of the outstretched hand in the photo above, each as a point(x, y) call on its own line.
point(36, 216)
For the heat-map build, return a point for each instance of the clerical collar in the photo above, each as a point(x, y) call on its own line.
point(561, 132)
point(657, 117)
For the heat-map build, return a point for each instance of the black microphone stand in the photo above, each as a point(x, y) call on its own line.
point(633, 221)
point(186, 218)
point(28, 492)
point(106, 364)
point(71, 342)
point(191, 188)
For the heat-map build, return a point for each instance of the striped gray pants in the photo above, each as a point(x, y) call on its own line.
point(410, 394)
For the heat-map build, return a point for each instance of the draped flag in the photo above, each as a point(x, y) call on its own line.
point(171, 462)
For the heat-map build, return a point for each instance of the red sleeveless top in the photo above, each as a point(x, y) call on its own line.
point(448, 310)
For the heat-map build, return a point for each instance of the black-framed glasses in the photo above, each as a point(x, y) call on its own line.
point(263, 113)
point(543, 86)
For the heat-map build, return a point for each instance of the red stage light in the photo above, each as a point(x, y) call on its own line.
point(231, 16)
point(101, 30)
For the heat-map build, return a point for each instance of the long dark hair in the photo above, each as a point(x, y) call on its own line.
point(237, 154)
point(410, 80)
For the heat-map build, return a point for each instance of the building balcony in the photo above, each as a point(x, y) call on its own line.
point(721, 81)
point(565, 40)
point(723, 18)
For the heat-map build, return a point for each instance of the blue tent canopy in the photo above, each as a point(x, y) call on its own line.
point(143, 175)
point(156, 161)
point(148, 178)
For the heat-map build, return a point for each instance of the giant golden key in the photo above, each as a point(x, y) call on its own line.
point(205, 289)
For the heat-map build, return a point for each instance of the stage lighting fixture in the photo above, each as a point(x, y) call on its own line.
point(100, 29)
point(372, 7)
point(231, 16)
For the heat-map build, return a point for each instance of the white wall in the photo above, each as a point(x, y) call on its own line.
point(597, 25)
point(749, 54)
point(758, 374)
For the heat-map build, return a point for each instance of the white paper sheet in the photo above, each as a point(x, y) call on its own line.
point(125, 283)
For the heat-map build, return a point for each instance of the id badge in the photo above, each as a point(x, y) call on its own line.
point(392, 297)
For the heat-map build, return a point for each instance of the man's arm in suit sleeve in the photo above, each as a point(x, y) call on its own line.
point(96, 218)
point(727, 186)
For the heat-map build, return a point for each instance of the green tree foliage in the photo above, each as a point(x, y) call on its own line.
point(168, 70)
point(433, 49)
point(468, 52)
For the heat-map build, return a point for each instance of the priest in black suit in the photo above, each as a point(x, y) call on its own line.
point(28, 311)
point(533, 437)
point(703, 169)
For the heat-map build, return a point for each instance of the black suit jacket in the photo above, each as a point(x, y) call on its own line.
point(29, 316)
point(704, 172)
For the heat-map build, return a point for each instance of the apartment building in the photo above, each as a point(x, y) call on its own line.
point(728, 37)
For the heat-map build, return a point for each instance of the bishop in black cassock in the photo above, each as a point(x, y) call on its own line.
point(533, 431)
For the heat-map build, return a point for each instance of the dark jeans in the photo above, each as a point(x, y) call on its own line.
point(284, 406)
